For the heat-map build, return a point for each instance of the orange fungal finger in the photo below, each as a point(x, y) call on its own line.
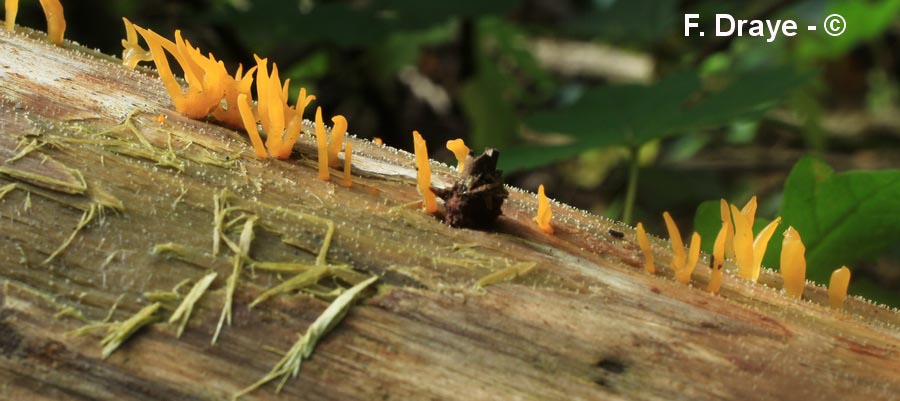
point(250, 125)
point(12, 8)
point(743, 243)
point(423, 174)
point(725, 211)
point(837, 287)
point(461, 151)
point(684, 275)
point(718, 261)
point(759, 247)
point(544, 213)
point(793, 263)
point(645, 247)
point(678, 255)
point(322, 146)
point(56, 21)
point(338, 130)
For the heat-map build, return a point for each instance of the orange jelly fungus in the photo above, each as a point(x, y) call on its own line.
point(338, 130)
point(12, 8)
point(759, 247)
point(378, 141)
point(645, 247)
point(743, 243)
point(161, 118)
point(423, 170)
point(56, 21)
point(684, 275)
point(322, 146)
point(793, 263)
point(544, 214)
point(460, 150)
point(749, 210)
point(132, 52)
point(348, 153)
point(837, 287)
point(718, 260)
point(678, 255)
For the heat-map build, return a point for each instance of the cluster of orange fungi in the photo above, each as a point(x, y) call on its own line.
point(735, 240)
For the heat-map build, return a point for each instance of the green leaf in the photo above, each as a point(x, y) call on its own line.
point(843, 218)
point(865, 21)
point(630, 115)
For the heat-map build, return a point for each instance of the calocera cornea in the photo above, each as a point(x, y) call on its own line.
point(718, 259)
point(243, 104)
point(837, 287)
point(56, 20)
point(460, 151)
point(678, 255)
point(423, 174)
point(743, 242)
point(12, 9)
point(644, 243)
point(682, 264)
point(132, 52)
point(725, 212)
point(336, 140)
point(793, 263)
point(759, 247)
point(322, 146)
point(544, 213)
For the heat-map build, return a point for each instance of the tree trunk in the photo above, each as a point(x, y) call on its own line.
point(94, 180)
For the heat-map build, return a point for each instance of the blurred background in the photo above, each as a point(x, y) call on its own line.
point(605, 102)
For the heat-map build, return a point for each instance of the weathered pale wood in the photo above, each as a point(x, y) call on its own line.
point(586, 323)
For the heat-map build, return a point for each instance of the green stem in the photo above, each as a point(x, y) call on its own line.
point(631, 193)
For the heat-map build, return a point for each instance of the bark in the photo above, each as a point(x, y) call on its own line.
point(95, 181)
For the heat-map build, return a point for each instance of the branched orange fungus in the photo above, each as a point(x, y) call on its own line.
point(544, 214)
point(132, 52)
point(759, 247)
point(205, 76)
point(678, 255)
point(645, 247)
point(56, 21)
point(322, 146)
point(743, 243)
point(429, 200)
point(793, 263)
point(718, 258)
point(837, 287)
point(281, 122)
point(348, 153)
point(12, 8)
point(227, 110)
point(460, 150)
point(338, 130)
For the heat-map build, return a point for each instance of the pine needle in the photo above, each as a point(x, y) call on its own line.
point(505, 274)
point(183, 311)
point(289, 365)
point(122, 331)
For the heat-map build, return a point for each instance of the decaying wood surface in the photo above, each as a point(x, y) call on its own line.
point(81, 141)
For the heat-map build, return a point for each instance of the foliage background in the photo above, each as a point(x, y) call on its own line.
point(603, 101)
